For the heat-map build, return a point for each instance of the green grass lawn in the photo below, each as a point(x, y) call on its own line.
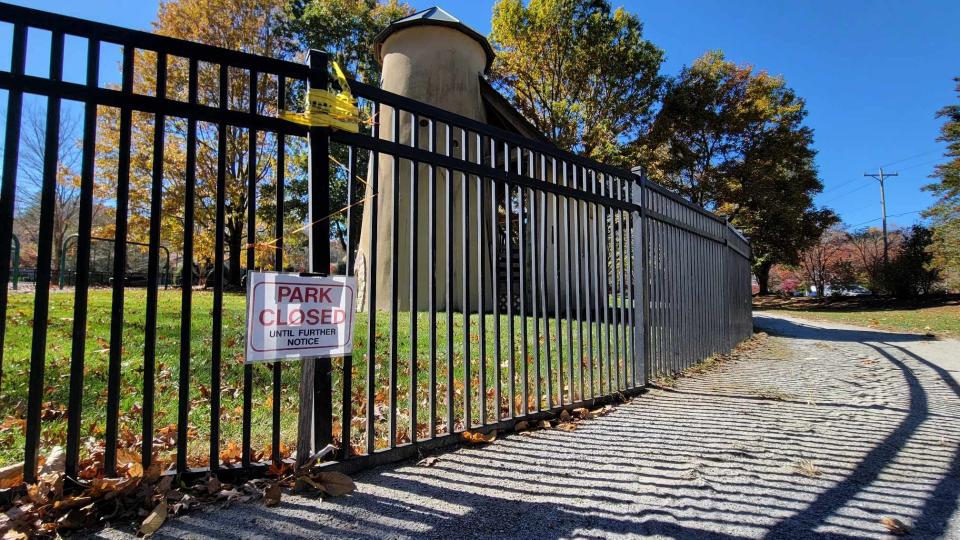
point(938, 316)
point(13, 389)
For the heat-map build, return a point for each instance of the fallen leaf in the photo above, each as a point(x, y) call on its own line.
point(51, 414)
point(164, 485)
point(807, 468)
point(564, 415)
point(545, 424)
point(521, 425)
point(155, 519)
point(100, 486)
point(229, 494)
point(303, 483)
point(127, 457)
point(74, 519)
point(152, 474)
point(231, 454)
point(20, 513)
point(567, 426)
point(213, 485)
point(72, 502)
point(273, 470)
point(583, 412)
point(428, 461)
point(135, 470)
point(56, 461)
point(319, 454)
point(11, 423)
point(895, 526)
point(335, 483)
point(271, 497)
point(475, 437)
point(602, 410)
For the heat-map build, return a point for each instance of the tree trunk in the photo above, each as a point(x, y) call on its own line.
point(763, 277)
point(236, 255)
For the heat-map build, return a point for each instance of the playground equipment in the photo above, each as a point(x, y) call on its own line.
point(101, 262)
point(16, 261)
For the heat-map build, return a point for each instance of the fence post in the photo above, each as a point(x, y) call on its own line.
point(641, 303)
point(316, 389)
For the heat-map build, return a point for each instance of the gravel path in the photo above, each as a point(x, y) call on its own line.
point(818, 430)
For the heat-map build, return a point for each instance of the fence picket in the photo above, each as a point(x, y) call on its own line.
point(614, 279)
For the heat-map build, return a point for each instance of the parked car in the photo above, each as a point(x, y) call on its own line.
point(855, 290)
point(848, 290)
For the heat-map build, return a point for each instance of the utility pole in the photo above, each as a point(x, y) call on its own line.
point(883, 207)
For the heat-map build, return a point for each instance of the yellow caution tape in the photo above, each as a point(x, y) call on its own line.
point(337, 110)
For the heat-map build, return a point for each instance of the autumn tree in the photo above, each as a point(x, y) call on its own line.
point(779, 225)
point(944, 215)
point(732, 139)
point(867, 244)
point(246, 25)
point(822, 261)
point(66, 197)
point(785, 279)
point(345, 29)
point(580, 71)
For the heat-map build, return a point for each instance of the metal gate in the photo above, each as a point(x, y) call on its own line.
point(534, 279)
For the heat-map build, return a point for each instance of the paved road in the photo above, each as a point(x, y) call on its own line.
point(820, 430)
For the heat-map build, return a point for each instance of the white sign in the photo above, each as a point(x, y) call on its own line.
point(291, 316)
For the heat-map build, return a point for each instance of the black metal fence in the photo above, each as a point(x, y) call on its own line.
point(500, 278)
point(699, 285)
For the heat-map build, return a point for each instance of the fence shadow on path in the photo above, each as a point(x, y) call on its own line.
point(800, 329)
point(939, 505)
point(711, 458)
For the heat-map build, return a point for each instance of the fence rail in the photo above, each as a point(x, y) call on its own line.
point(500, 278)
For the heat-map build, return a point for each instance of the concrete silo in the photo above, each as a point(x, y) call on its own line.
point(434, 58)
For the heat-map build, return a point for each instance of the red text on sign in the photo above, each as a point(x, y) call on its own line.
point(303, 293)
point(298, 317)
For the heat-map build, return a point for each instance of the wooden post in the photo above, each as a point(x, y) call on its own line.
point(314, 424)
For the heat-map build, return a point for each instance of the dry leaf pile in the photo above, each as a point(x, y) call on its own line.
point(567, 420)
point(475, 437)
point(147, 498)
point(140, 497)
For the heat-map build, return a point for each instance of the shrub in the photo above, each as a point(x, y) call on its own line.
point(911, 273)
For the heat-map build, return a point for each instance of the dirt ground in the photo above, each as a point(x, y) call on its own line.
point(818, 430)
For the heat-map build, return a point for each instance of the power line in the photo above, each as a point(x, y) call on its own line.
point(894, 215)
point(844, 194)
point(920, 164)
point(834, 188)
point(911, 157)
point(852, 180)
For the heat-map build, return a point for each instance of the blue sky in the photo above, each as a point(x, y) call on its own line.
point(873, 73)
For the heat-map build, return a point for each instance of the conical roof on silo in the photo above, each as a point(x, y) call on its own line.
point(434, 16)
